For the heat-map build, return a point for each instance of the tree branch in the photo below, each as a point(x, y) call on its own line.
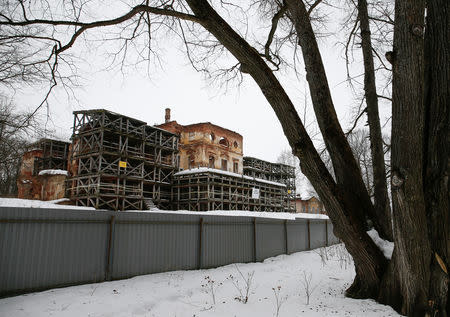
point(275, 20)
point(88, 25)
point(312, 7)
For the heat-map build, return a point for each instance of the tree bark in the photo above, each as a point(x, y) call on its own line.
point(382, 221)
point(436, 149)
point(412, 256)
point(345, 209)
point(348, 173)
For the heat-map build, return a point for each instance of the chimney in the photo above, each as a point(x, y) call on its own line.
point(167, 115)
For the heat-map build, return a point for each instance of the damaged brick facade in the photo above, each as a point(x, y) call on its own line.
point(310, 205)
point(117, 162)
point(207, 145)
point(44, 154)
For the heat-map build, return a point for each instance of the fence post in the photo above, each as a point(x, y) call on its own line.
point(109, 262)
point(200, 243)
point(326, 233)
point(255, 258)
point(286, 236)
point(309, 235)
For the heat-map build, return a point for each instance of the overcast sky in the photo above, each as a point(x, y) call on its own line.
point(191, 99)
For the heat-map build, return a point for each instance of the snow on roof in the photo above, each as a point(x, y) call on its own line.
point(213, 170)
point(53, 172)
point(27, 203)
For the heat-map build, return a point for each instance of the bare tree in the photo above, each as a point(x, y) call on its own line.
point(359, 141)
point(14, 139)
point(302, 184)
point(415, 280)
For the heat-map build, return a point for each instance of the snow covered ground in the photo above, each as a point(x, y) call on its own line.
point(189, 293)
point(28, 203)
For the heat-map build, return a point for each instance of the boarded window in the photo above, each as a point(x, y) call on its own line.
point(224, 165)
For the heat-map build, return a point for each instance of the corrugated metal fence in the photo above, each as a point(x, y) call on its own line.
point(47, 248)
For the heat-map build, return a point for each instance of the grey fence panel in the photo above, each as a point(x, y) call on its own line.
point(270, 238)
point(317, 233)
point(297, 235)
point(149, 243)
point(227, 240)
point(46, 248)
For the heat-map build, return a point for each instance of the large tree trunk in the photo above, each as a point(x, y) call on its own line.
point(381, 198)
point(347, 171)
point(345, 209)
point(417, 280)
point(348, 174)
point(412, 256)
point(437, 147)
point(405, 283)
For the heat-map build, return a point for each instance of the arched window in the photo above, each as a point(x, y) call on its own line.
point(212, 137)
point(223, 141)
point(235, 144)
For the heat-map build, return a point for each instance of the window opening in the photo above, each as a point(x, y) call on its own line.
point(223, 141)
point(224, 165)
point(211, 162)
point(191, 162)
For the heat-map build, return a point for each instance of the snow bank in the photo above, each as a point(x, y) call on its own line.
point(53, 172)
point(213, 170)
point(385, 246)
point(27, 203)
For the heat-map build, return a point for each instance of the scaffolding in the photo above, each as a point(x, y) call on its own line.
point(275, 172)
point(120, 163)
point(54, 155)
point(217, 190)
